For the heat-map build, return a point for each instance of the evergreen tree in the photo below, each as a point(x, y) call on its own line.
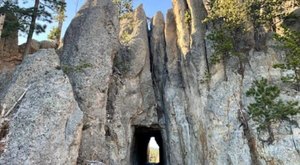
point(9, 23)
point(55, 33)
point(268, 108)
point(229, 19)
point(41, 11)
point(26, 18)
point(290, 42)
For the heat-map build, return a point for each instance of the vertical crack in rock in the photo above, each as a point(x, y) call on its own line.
point(131, 93)
point(159, 74)
point(243, 117)
point(193, 66)
point(158, 62)
point(149, 85)
point(169, 70)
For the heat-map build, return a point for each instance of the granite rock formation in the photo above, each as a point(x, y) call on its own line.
point(131, 83)
point(44, 119)
point(90, 45)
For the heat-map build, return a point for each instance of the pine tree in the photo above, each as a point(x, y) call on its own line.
point(26, 18)
point(55, 33)
point(32, 26)
point(290, 42)
point(268, 108)
point(9, 21)
point(41, 11)
point(229, 19)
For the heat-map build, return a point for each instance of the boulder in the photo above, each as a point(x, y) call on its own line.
point(45, 126)
point(34, 47)
point(45, 44)
point(37, 45)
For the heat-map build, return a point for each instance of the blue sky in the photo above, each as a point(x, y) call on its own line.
point(150, 6)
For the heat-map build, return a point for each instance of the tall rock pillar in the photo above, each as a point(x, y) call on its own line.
point(90, 44)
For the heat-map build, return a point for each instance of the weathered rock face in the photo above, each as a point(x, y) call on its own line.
point(131, 102)
point(203, 117)
point(9, 57)
point(135, 83)
point(183, 94)
point(45, 121)
point(91, 42)
point(227, 141)
point(37, 45)
point(11, 53)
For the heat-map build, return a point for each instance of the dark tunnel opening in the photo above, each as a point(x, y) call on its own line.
point(139, 152)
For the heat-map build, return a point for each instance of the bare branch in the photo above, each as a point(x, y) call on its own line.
point(20, 98)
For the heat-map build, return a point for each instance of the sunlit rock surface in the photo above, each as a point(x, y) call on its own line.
point(136, 78)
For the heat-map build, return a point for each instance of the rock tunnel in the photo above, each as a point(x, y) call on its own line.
point(140, 143)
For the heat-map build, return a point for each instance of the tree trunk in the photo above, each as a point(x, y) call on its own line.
point(271, 134)
point(61, 16)
point(32, 27)
point(59, 27)
point(224, 65)
point(2, 19)
point(297, 78)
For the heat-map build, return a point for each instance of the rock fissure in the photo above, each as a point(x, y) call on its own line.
point(244, 120)
point(141, 83)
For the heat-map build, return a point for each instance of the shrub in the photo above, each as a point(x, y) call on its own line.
point(187, 17)
point(125, 37)
point(78, 69)
point(268, 108)
point(54, 33)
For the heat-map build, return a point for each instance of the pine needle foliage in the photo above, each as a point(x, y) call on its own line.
point(11, 11)
point(268, 108)
point(54, 33)
point(290, 42)
point(229, 18)
point(23, 15)
point(264, 12)
point(232, 17)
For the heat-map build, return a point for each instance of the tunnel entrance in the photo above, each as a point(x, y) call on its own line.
point(153, 151)
point(140, 154)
